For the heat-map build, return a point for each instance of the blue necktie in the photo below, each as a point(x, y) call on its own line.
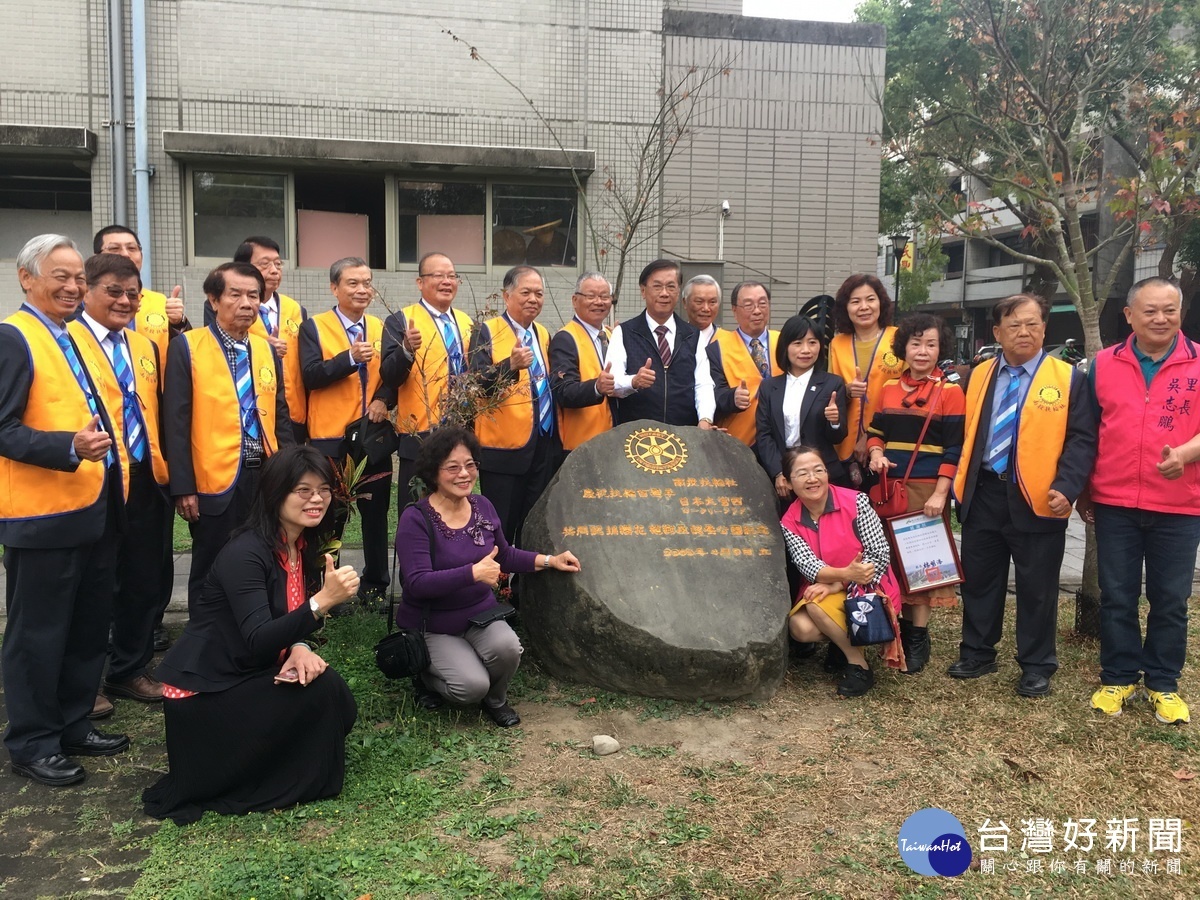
point(358, 332)
point(68, 349)
point(135, 433)
point(265, 315)
point(453, 350)
point(1005, 430)
point(245, 392)
point(541, 393)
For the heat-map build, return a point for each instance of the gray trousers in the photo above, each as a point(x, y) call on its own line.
point(474, 667)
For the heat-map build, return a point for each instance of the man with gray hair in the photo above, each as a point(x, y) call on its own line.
point(581, 382)
point(61, 511)
point(340, 353)
point(701, 301)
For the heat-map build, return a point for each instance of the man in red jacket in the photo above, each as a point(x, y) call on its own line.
point(1144, 497)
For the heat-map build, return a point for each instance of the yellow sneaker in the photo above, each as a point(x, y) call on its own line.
point(1110, 698)
point(1169, 707)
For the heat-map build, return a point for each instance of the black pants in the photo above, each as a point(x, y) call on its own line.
point(137, 603)
point(211, 531)
point(514, 495)
point(59, 604)
point(374, 514)
point(989, 541)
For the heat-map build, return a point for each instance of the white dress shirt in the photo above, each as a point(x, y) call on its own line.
point(793, 402)
point(703, 395)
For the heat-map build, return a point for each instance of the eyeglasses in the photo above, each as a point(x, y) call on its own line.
point(115, 291)
point(455, 469)
point(267, 265)
point(304, 492)
point(660, 286)
point(442, 276)
point(754, 304)
point(805, 473)
point(591, 297)
point(130, 247)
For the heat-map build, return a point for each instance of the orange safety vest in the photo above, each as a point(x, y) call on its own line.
point(579, 424)
point(739, 367)
point(1041, 431)
point(883, 367)
point(151, 320)
point(420, 397)
point(332, 408)
point(146, 382)
point(290, 318)
point(216, 415)
point(510, 425)
point(55, 403)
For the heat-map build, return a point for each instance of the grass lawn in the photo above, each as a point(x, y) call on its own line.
point(800, 796)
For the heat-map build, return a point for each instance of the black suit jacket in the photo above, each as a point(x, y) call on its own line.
point(394, 369)
point(47, 449)
point(240, 623)
point(177, 425)
point(672, 398)
point(1074, 463)
point(569, 392)
point(815, 430)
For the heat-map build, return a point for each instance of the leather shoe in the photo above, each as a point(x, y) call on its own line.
point(55, 770)
point(140, 687)
point(425, 697)
point(503, 715)
point(97, 743)
point(102, 708)
point(162, 639)
point(971, 668)
point(1033, 685)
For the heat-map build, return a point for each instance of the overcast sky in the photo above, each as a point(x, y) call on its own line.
point(817, 10)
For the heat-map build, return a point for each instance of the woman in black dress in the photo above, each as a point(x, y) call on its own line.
point(255, 719)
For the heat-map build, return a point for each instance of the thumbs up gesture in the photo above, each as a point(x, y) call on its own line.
point(91, 442)
point(832, 416)
point(1171, 466)
point(175, 306)
point(487, 569)
point(741, 396)
point(412, 338)
point(340, 585)
point(605, 383)
point(858, 571)
point(858, 387)
point(520, 358)
point(645, 376)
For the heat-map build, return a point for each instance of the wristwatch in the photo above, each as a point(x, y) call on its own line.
point(314, 606)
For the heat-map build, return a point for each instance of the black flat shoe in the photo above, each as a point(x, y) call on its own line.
point(856, 681)
point(56, 770)
point(425, 697)
point(162, 639)
point(971, 668)
point(503, 715)
point(1033, 685)
point(97, 743)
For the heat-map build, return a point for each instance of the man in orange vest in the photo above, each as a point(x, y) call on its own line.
point(339, 359)
point(224, 413)
point(701, 301)
point(61, 512)
point(1029, 442)
point(519, 436)
point(424, 347)
point(126, 368)
point(580, 381)
point(279, 321)
point(742, 359)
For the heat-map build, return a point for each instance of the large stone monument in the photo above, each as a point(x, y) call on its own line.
point(683, 592)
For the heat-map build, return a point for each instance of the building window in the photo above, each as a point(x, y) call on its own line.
point(228, 206)
point(43, 198)
point(534, 225)
point(954, 259)
point(999, 257)
point(447, 217)
point(340, 215)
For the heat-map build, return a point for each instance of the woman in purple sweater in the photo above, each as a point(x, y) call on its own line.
point(451, 552)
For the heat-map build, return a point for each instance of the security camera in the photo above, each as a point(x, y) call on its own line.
point(725, 209)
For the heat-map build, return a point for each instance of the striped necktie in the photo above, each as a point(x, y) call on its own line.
point(453, 348)
point(541, 392)
point(664, 349)
point(602, 338)
point(245, 391)
point(265, 315)
point(358, 332)
point(68, 349)
point(1005, 429)
point(759, 357)
point(135, 432)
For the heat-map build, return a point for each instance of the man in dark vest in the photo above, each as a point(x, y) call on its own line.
point(657, 370)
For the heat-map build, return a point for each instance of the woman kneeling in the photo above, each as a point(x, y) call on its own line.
point(834, 538)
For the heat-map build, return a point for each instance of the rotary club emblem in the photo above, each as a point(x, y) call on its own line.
point(266, 376)
point(291, 326)
point(1049, 398)
point(890, 360)
point(147, 365)
point(156, 321)
point(655, 450)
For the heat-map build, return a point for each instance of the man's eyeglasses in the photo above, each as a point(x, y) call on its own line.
point(306, 493)
point(590, 297)
point(115, 291)
point(455, 469)
point(442, 276)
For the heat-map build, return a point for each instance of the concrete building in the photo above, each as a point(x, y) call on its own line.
point(369, 130)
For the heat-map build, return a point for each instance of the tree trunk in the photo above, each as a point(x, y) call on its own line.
point(1087, 598)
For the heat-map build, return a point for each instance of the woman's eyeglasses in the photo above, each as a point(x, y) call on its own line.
point(455, 469)
point(306, 493)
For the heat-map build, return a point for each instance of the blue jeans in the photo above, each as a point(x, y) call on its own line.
point(1166, 542)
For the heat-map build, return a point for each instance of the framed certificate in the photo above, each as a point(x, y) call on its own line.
point(926, 556)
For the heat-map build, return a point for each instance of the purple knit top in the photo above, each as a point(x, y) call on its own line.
point(450, 590)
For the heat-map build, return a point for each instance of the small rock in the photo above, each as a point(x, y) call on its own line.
point(603, 745)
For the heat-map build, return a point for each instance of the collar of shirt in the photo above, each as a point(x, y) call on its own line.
point(102, 334)
point(1145, 358)
point(271, 304)
point(763, 339)
point(670, 323)
point(346, 323)
point(55, 328)
point(437, 313)
point(1030, 366)
point(593, 333)
point(227, 340)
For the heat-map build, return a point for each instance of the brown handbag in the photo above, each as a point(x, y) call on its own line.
point(890, 498)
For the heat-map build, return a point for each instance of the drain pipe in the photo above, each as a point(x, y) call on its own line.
point(116, 109)
point(142, 170)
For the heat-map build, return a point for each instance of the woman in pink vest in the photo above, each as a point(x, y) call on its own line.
point(834, 537)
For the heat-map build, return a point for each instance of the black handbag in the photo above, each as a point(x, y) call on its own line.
point(374, 440)
point(403, 653)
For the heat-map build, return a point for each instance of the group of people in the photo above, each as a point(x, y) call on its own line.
point(116, 414)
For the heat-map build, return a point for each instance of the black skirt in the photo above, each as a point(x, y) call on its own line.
point(257, 746)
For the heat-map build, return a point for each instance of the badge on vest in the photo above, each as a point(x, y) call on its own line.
point(291, 326)
point(147, 365)
point(157, 321)
point(891, 362)
point(1049, 399)
point(266, 376)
